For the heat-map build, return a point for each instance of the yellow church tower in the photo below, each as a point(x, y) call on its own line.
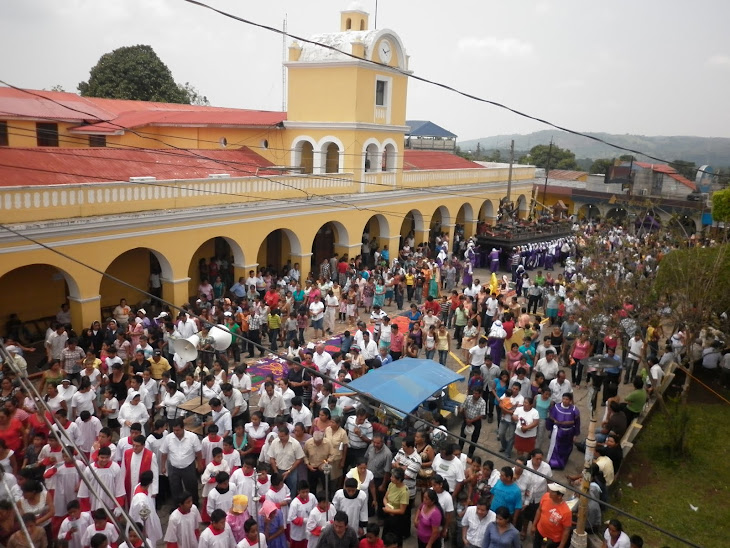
point(347, 101)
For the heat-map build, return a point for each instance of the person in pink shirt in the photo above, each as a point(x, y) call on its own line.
point(429, 521)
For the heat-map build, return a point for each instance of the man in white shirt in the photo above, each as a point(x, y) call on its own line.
point(656, 373)
point(508, 403)
point(559, 386)
point(474, 523)
point(636, 353)
point(234, 402)
point(321, 358)
point(543, 347)
point(477, 353)
point(221, 417)
point(316, 312)
point(369, 348)
point(183, 450)
point(300, 413)
point(548, 365)
point(185, 326)
point(285, 455)
point(446, 465)
point(331, 303)
point(376, 320)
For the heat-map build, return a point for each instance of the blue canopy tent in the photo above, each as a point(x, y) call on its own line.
point(405, 383)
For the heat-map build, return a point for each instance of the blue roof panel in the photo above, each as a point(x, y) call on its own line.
point(426, 128)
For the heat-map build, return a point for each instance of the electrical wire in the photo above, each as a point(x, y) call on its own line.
point(425, 80)
point(60, 432)
point(366, 397)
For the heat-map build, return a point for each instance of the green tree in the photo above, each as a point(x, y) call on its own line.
point(559, 158)
point(627, 158)
point(495, 156)
point(688, 169)
point(133, 72)
point(601, 165)
point(721, 206)
point(194, 96)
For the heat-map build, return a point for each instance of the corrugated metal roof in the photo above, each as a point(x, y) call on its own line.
point(567, 174)
point(52, 166)
point(131, 114)
point(426, 128)
point(433, 159)
point(667, 170)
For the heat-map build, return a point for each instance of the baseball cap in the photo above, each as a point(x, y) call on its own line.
point(557, 488)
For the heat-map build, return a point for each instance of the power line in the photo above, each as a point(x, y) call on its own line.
point(435, 83)
point(367, 397)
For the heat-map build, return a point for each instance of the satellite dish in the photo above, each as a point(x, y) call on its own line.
point(223, 142)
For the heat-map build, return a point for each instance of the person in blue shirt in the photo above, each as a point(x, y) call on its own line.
point(414, 315)
point(528, 351)
point(506, 493)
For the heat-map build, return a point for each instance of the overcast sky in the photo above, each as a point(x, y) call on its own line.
point(654, 67)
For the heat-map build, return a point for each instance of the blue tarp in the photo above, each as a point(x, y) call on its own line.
point(405, 383)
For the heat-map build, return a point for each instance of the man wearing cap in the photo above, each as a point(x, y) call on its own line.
point(553, 518)
point(146, 322)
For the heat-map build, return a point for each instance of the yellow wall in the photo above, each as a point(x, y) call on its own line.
point(132, 267)
point(22, 134)
point(34, 291)
point(319, 94)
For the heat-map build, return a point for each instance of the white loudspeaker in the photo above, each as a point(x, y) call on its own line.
point(187, 349)
point(221, 337)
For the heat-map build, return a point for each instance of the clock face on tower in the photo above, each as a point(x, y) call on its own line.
point(385, 51)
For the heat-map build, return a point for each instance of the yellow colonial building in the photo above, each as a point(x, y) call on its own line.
point(130, 188)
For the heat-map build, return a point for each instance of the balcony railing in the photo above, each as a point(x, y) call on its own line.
point(23, 204)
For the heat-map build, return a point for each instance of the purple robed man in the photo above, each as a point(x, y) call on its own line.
point(494, 260)
point(564, 423)
point(496, 338)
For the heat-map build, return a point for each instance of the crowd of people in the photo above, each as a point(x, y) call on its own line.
point(296, 463)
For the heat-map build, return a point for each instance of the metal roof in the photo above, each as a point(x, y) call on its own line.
point(426, 128)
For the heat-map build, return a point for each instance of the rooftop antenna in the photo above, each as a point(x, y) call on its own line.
point(376, 15)
point(283, 67)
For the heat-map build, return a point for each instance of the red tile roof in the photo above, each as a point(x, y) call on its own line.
point(129, 114)
point(433, 159)
point(668, 170)
point(52, 166)
point(566, 174)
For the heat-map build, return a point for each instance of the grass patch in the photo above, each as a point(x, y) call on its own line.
point(662, 489)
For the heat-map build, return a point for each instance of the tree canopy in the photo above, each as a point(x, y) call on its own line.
point(137, 73)
point(559, 158)
point(688, 169)
point(601, 165)
point(721, 205)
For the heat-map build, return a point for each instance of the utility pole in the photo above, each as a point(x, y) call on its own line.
point(509, 175)
point(547, 173)
point(580, 537)
point(283, 67)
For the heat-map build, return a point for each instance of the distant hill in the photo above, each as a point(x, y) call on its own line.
point(700, 150)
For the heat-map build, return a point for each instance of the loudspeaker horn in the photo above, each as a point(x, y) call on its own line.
point(221, 336)
point(187, 349)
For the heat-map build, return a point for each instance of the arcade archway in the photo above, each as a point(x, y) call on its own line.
point(277, 249)
point(26, 319)
point(215, 257)
point(328, 236)
point(135, 267)
point(588, 212)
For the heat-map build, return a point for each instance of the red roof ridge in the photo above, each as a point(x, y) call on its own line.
point(435, 159)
